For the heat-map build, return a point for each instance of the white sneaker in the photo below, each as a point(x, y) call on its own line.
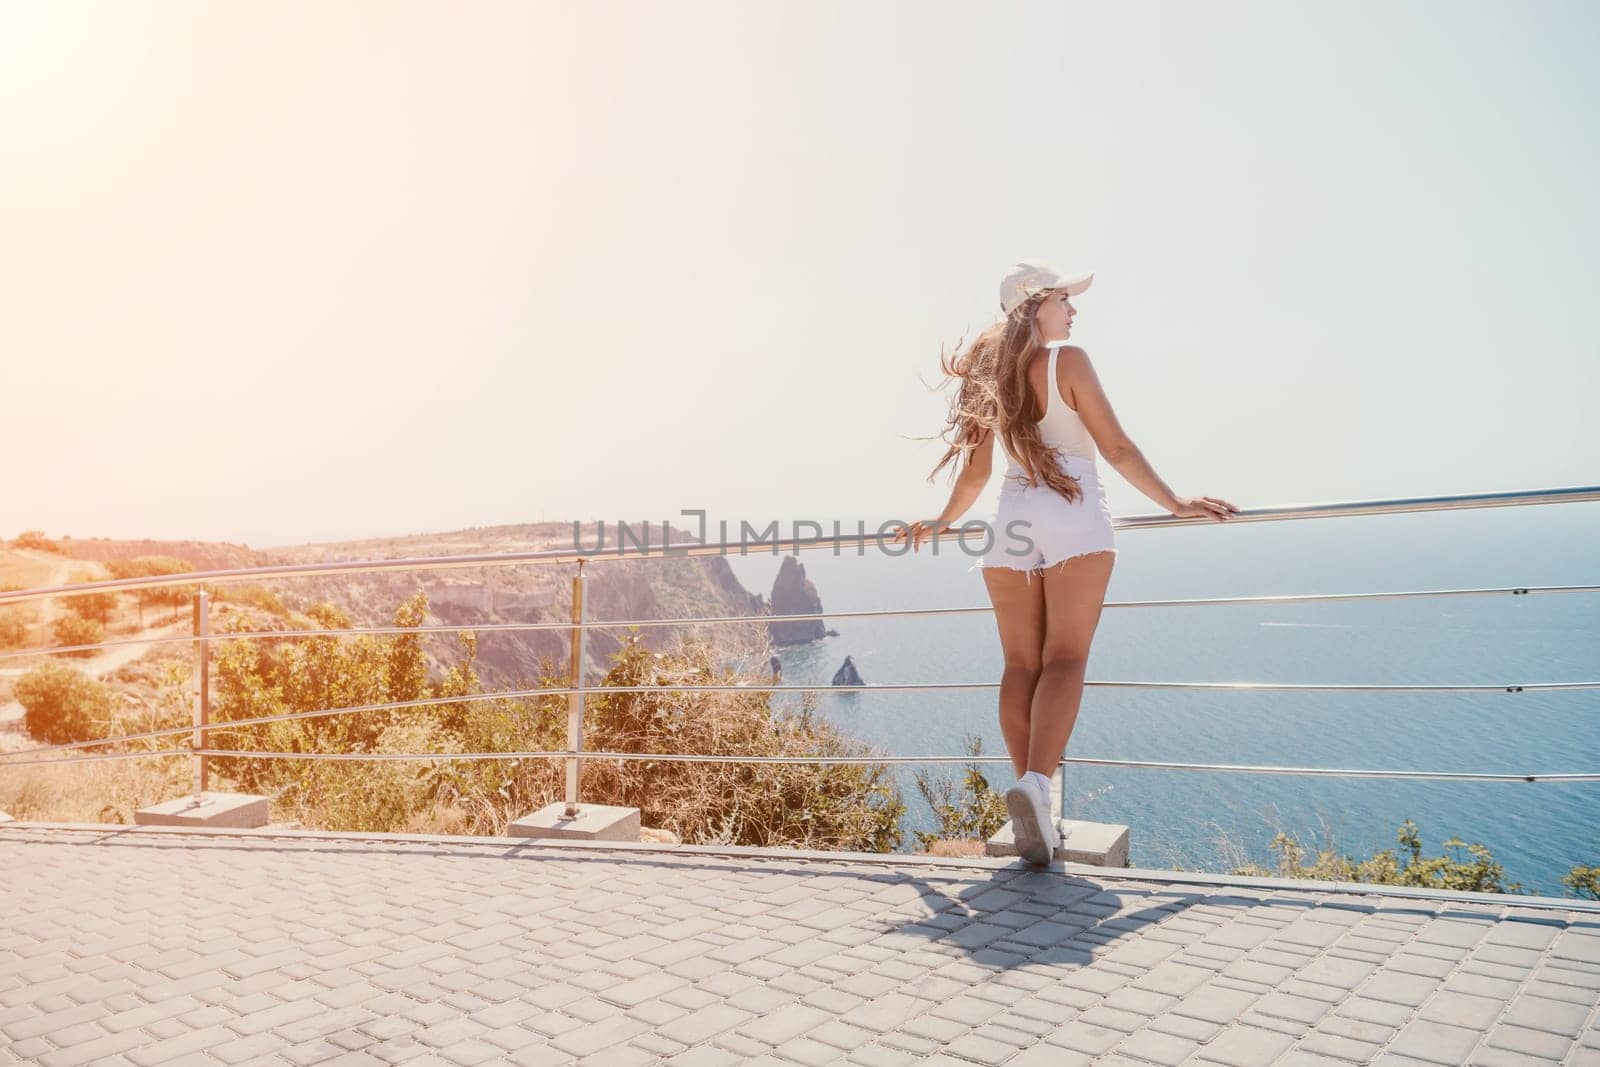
point(1031, 825)
point(1047, 819)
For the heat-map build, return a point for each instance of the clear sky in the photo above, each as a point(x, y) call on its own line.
point(304, 271)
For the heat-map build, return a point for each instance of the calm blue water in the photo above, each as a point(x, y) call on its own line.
point(1538, 831)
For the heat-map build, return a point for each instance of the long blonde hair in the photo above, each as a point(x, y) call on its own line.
point(995, 394)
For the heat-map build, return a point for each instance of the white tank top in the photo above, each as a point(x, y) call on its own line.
point(1060, 428)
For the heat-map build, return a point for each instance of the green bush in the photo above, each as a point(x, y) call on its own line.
point(970, 812)
point(76, 630)
point(1583, 882)
point(259, 596)
point(1478, 874)
point(62, 704)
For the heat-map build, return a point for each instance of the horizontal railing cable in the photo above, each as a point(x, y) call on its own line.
point(1262, 687)
point(95, 756)
point(777, 546)
point(662, 757)
point(712, 620)
point(869, 760)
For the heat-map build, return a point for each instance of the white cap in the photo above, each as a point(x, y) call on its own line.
point(1026, 279)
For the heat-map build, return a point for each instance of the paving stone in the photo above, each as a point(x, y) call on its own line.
point(972, 1010)
point(1280, 1005)
point(1481, 986)
point(1332, 1046)
point(704, 1023)
point(881, 1056)
point(1364, 1031)
point(1113, 1019)
point(94, 1050)
point(1299, 1057)
point(1529, 1042)
point(1246, 1046)
point(1173, 978)
point(885, 1013)
point(806, 1051)
point(1399, 988)
point(585, 1040)
point(1381, 1012)
point(1437, 1042)
point(1215, 1004)
point(1487, 1056)
point(1085, 1038)
point(1553, 1016)
point(1157, 1047)
point(1578, 946)
point(1184, 1026)
point(785, 1024)
point(1462, 1009)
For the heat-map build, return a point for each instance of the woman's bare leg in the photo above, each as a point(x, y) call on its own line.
point(1019, 612)
point(1074, 593)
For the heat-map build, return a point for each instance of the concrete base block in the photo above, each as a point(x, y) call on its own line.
point(6, 818)
point(1099, 844)
point(594, 822)
point(246, 811)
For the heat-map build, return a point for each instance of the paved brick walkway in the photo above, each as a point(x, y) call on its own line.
point(129, 946)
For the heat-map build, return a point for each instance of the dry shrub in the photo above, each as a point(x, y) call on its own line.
point(815, 806)
point(92, 791)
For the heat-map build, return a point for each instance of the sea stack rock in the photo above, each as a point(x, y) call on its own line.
point(776, 666)
point(793, 594)
point(847, 674)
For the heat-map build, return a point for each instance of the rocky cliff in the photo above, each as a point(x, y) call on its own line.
point(794, 594)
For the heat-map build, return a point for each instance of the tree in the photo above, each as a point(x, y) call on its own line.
point(62, 704)
point(150, 566)
point(95, 606)
point(36, 539)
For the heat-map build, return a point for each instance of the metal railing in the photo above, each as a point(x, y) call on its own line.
point(198, 750)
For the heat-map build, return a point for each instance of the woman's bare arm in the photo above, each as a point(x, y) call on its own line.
point(1079, 382)
point(968, 487)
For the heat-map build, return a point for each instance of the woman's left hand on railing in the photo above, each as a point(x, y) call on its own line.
point(920, 531)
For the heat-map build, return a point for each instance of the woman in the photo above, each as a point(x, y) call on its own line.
point(1021, 382)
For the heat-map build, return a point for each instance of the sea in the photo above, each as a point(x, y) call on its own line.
point(1213, 820)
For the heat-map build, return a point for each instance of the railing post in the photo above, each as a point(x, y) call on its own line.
point(575, 700)
point(202, 672)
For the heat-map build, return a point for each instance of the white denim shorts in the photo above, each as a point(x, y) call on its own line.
point(1033, 527)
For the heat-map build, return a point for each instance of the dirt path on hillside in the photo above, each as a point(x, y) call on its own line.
point(12, 736)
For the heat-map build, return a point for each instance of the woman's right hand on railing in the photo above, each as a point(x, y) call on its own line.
point(1204, 507)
